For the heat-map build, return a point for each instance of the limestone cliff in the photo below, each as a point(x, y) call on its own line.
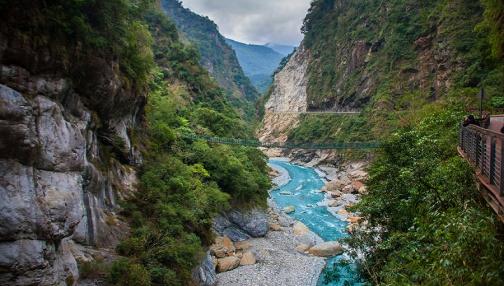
point(66, 156)
point(288, 96)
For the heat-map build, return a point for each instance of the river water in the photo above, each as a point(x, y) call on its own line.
point(302, 191)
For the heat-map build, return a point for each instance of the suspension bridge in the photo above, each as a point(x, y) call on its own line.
point(318, 112)
point(307, 146)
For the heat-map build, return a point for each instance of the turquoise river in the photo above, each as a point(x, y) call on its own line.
point(302, 191)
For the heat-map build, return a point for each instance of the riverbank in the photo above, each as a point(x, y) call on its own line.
point(278, 261)
point(282, 256)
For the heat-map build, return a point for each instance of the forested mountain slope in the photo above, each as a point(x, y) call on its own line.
point(258, 62)
point(216, 56)
point(390, 58)
point(94, 98)
point(414, 69)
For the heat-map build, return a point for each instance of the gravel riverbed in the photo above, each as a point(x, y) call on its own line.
point(278, 264)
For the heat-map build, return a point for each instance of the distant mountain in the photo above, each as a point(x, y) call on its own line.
point(285, 50)
point(216, 56)
point(258, 62)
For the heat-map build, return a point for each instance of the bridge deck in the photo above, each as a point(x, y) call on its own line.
point(317, 112)
point(484, 149)
point(308, 146)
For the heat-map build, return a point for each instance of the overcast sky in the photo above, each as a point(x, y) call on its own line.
point(255, 21)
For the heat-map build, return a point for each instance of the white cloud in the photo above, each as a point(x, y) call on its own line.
point(255, 21)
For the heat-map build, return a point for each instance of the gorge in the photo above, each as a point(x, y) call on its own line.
point(100, 184)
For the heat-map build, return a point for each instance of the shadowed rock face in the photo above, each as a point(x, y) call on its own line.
point(65, 159)
point(240, 225)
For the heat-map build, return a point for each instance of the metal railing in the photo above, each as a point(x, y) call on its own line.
point(484, 148)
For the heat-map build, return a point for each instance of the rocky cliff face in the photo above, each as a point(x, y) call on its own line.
point(66, 157)
point(288, 95)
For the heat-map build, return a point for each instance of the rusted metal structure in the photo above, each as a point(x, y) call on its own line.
point(484, 149)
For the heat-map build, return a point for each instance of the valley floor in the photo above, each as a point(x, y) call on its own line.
point(278, 261)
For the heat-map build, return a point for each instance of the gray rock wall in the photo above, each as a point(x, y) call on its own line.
point(61, 174)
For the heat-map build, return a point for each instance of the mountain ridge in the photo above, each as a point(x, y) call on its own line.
point(215, 54)
point(258, 62)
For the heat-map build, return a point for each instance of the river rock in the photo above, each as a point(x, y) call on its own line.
point(335, 185)
point(348, 189)
point(336, 194)
point(275, 227)
point(357, 185)
point(227, 263)
point(285, 221)
point(205, 274)
point(243, 245)
point(326, 249)
point(289, 209)
point(358, 175)
point(300, 229)
point(248, 258)
point(302, 248)
point(349, 198)
point(309, 239)
point(222, 247)
point(253, 222)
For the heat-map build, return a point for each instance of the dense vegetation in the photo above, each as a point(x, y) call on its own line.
point(494, 21)
point(71, 33)
point(216, 56)
point(392, 58)
point(184, 184)
point(258, 62)
point(428, 223)
point(414, 68)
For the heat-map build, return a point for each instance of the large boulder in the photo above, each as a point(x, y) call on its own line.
point(254, 222)
point(326, 249)
point(220, 223)
point(300, 229)
point(248, 258)
point(309, 239)
point(222, 247)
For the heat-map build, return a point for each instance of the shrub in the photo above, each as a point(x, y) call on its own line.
point(428, 223)
point(127, 273)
